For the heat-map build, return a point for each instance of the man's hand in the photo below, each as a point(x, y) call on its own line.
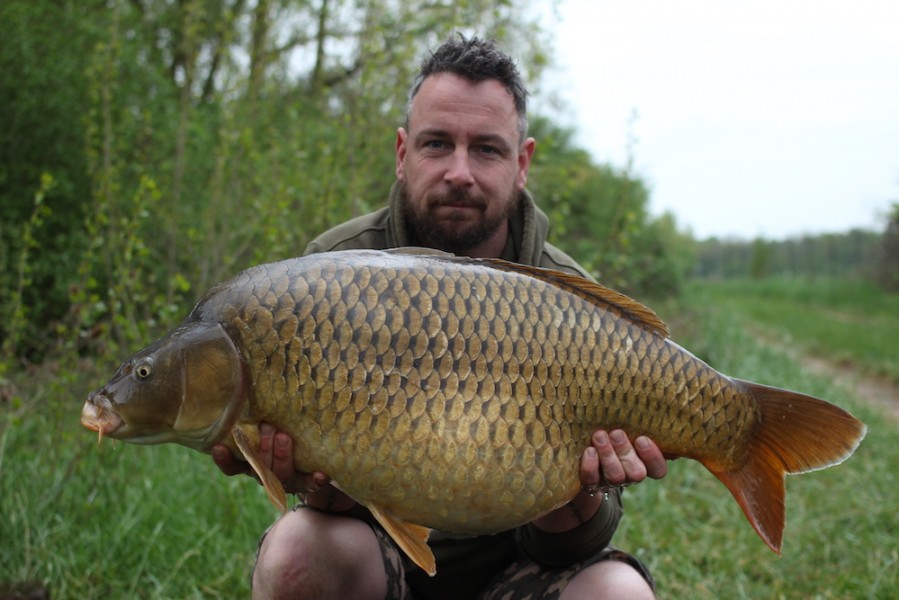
point(610, 460)
point(614, 460)
point(276, 452)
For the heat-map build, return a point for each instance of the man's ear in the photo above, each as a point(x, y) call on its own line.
point(401, 136)
point(525, 154)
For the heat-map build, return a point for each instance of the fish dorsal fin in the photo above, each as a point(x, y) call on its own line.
point(412, 539)
point(418, 251)
point(598, 294)
point(270, 482)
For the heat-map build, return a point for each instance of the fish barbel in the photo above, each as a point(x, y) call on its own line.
point(454, 393)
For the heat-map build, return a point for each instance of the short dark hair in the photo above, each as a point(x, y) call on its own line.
point(477, 60)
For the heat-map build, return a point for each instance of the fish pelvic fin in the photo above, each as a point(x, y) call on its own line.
point(412, 539)
point(273, 487)
point(796, 434)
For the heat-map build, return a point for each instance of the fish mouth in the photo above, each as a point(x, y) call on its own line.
point(98, 415)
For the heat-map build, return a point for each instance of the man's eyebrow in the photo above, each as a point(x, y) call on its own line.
point(431, 133)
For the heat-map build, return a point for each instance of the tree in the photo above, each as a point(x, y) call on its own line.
point(43, 96)
point(600, 215)
point(758, 266)
point(890, 263)
point(186, 140)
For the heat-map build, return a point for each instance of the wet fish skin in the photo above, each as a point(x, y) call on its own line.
point(437, 390)
point(459, 394)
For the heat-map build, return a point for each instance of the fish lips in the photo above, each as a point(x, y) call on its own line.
point(98, 414)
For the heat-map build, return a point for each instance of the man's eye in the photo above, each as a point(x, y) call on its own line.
point(491, 151)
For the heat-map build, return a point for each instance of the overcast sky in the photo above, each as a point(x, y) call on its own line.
point(768, 118)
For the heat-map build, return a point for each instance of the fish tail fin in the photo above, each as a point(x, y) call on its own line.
point(796, 434)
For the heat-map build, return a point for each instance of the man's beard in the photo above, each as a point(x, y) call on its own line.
point(452, 236)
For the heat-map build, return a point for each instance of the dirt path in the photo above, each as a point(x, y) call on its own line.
point(878, 391)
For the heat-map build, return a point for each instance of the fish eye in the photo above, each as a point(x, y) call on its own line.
point(144, 369)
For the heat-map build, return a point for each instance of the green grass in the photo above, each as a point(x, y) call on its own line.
point(117, 521)
point(163, 522)
point(842, 532)
point(845, 321)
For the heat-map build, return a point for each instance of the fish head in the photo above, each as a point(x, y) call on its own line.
point(185, 388)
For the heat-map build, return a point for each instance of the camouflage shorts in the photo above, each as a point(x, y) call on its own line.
point(523, 579)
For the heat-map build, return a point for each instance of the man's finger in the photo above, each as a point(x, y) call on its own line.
point(266, 444)
point(282, 457)
point(652, 457)
point(634, 469)
point(610, 465)
point(590, 468)
point(226, 462)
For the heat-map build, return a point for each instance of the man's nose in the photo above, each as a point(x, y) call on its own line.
point(458, 171)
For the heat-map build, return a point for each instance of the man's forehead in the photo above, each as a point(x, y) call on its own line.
point(450, 97)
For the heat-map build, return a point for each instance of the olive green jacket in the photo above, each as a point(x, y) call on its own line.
point(386, 228)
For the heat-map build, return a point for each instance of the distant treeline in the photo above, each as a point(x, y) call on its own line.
point(858, 253)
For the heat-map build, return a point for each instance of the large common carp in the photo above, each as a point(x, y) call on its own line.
point(453, 393)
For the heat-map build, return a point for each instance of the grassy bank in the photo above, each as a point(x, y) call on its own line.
point(115, 521)
point(162, 522)
point(842, 524)
point(846, 321)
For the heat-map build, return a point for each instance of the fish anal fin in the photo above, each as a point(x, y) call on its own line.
point(796, 433)
point(273, 487)
point(412, 539)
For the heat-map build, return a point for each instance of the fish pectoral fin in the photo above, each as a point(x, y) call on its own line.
point(412, 539)
point(270, 482)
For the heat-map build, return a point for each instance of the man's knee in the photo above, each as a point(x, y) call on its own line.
point(281, 554)
point(609, 579)
point(312, 554)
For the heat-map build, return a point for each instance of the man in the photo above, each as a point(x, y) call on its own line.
point(462, 161)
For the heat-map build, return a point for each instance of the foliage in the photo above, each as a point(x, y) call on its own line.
point(17, 311)
point(600, 215)
point(889, 271)
point(189, 140)
point(43, 96)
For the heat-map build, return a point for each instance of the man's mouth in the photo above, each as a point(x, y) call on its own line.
point(457, 199)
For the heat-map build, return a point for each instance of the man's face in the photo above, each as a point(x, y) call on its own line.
point(461, 162)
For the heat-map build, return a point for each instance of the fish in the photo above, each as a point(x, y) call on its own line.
point(458, 394)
